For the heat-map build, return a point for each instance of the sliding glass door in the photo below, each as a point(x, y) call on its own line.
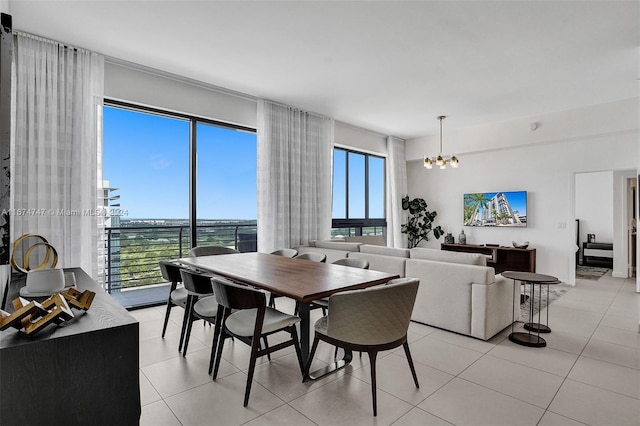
point(226, 187)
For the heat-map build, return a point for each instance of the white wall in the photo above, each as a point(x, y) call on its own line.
point(594, 205)
point(154, 88)
point(545, 167)
point(149, 87)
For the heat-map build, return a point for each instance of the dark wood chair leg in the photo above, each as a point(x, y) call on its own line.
point(185, 320)
point(255, 346)
point(296, 345)
point(166, 316)
point(372, 359)
point(266, 346)
point(216, 336)
point(405, 345)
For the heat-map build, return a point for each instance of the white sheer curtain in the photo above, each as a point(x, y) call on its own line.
point(294, 176)
point(396, 189)
point(57, 148)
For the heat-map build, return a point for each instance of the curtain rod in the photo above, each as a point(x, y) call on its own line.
point(51, 41)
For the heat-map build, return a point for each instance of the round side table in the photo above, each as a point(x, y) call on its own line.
point(531, 278)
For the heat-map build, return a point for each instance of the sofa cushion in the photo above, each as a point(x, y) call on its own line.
point(384, 251)
point(448, 256)
point(377, 240)
point(378, 262)
point(338, 245)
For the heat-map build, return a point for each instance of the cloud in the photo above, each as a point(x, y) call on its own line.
point(159, 162)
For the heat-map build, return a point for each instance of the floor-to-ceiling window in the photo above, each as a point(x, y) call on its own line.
point(171, 182)
point(358, 193)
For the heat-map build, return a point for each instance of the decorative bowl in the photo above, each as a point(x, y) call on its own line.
point(520, 244)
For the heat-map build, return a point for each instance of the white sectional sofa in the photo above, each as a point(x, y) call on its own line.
point(457, 292)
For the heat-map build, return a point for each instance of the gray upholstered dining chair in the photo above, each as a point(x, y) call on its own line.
point(243, 313)
point(210, 250)
point(177, 295)
point(313, 256)
point(201, 303)
point(351, 262)
point(288, 252)
point(370, 320)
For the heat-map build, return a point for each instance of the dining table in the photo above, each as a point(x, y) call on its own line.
point(301, 280)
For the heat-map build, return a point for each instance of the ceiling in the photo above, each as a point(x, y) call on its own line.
point(389, 66)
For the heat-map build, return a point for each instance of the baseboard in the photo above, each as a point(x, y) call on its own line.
point(615, 274)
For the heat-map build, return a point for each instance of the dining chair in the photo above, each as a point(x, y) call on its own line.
point(313, 256)
point(177, 295)
point(210, 250)
point(351, 262)
point(286, 252)
point(369, 320)
point(201, 302)
point(243, 313)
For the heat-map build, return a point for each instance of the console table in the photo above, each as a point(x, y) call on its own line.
point(500, 258)
point(84, 372)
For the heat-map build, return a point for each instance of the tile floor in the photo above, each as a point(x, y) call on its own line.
point(588, 374)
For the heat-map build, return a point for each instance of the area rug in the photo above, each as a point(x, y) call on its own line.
point(555, 292)
point(590, 272)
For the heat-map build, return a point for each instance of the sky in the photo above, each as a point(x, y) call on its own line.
point(146, 156)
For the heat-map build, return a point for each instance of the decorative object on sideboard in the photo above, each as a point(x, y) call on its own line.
point(591, 238)
point(420, 221)
point(31, 316)
point(448, 239)
point(520, 244)
point(50, 254)
point(441, 161)
point(43, 282)
point(462, 238)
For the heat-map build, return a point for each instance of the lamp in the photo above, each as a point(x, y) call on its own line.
point(440, 160)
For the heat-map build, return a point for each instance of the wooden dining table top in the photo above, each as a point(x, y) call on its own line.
point(302, 280)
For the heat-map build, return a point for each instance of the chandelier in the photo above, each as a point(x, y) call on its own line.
point(440, 160)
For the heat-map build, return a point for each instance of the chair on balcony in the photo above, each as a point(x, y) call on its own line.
point(202, 302)
point(210, 251)
point(243, 313)
point(370, 320)
point(177, 295)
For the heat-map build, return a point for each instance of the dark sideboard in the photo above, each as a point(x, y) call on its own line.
point(82, 372)
point(500, 258)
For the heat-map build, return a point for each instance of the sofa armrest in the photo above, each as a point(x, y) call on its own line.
point(494, 307)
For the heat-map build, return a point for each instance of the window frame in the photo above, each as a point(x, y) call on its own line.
point(193, 137)
point(366, 222)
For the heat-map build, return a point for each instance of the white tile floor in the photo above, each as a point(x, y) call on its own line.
point(589, 373)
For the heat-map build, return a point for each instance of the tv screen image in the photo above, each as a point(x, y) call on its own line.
point(495, 209)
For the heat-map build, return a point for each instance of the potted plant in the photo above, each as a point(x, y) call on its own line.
point(420, 222)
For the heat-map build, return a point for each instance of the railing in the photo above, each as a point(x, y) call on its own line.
point(357, 230)
point(133, 252)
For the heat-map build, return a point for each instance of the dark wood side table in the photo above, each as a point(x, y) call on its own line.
point(531, 278)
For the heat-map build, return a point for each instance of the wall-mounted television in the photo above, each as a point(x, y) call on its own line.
point(502, 209)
